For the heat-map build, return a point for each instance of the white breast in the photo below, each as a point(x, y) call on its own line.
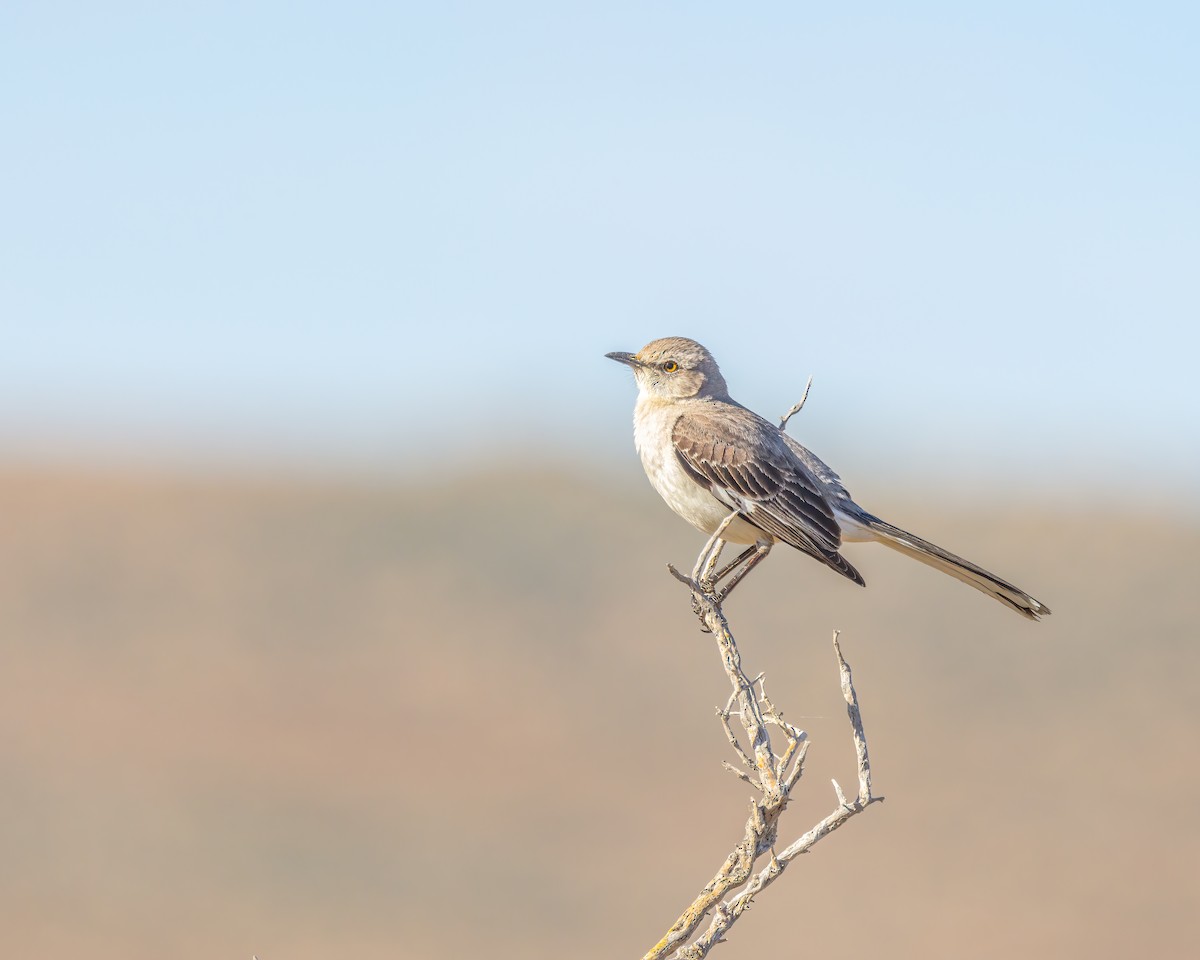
point(652, 424)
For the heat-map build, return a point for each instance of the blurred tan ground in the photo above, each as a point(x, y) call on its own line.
point(310, 721)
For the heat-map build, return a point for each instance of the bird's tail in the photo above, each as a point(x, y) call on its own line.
point(934, 556)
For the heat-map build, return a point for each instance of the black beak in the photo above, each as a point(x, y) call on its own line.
point(626, 358)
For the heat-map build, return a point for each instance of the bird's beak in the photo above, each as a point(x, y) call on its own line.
point(626, 358)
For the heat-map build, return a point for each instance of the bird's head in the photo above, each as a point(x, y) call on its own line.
point(674, 367)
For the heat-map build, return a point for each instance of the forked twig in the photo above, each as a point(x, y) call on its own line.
point(773, 774)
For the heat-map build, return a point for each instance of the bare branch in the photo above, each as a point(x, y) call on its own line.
point(860, 738)
point(679, 576)
point(741, 774)
point(733, 740)
point(738, 881)
point(797, 766)
point(796, 407)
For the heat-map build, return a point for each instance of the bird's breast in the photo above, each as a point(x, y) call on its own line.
point(652, 427)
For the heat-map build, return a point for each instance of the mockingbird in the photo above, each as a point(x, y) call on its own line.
point(709, 457)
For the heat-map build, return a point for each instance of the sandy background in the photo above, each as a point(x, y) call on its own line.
point(305, 719)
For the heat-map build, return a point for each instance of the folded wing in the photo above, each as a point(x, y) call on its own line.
point(745, 463)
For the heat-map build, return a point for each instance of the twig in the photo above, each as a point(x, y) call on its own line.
point(733, 740)
point(775, 778)
point(796, 407)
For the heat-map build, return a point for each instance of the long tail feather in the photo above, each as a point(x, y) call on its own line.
point(969, 573)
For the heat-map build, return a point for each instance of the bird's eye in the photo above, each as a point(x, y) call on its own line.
point(670, 366)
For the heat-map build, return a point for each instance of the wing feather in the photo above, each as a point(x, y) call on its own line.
point(745, 463)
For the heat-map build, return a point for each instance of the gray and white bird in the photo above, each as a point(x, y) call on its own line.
point(709, 456)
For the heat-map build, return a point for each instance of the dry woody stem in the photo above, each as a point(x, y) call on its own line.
point(772, 773)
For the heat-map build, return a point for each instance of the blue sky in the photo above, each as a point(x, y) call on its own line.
point(346, 233)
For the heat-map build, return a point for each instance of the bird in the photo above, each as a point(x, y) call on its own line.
point(711, 458)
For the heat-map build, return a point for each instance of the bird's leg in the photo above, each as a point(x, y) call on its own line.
point(707, 561)
point(703, 574)
point(733, 564)
point(698, 569)
point(760, 554)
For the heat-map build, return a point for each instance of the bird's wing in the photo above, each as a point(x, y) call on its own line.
point(831, 484)
point(743, 462)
